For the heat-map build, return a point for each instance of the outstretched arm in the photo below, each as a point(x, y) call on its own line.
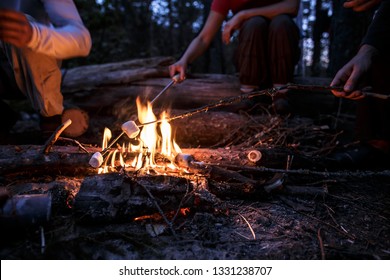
point(199, 45)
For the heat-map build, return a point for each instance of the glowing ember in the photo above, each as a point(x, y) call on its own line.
point(156, 216)
point(154, 139)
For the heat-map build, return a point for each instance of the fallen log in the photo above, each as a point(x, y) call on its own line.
point(23, 211)
point(206, 129)
point(105, 87)
point(26, 160)
point(124, 72)
point(198, 90)
point(69, 160)
point(22, 161)
point(115, 197)
point(270, 157)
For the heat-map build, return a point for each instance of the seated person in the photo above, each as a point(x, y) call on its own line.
point(268, 47)
point(370, 67)
point(35, 36)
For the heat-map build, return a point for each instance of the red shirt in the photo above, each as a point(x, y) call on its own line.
point(223, 6)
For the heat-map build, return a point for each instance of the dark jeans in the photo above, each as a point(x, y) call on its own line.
point(36, 75)
point(268, 51)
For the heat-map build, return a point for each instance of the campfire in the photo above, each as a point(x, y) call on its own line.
point(236, 179)
point(152, 150)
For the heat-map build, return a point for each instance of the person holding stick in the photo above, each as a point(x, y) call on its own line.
point(268, 43)
point(35, 36)
point(370, 67)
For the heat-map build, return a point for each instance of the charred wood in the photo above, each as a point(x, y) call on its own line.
point(30, 160)
point(272, 158)
point(116, 197)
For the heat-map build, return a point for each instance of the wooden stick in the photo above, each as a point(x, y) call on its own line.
point(54, 137)
point(75, 142)
point(321, 244)
point(169, 224)
point(345, 173)
point(249, 225)
point(270, 92)
point(316, 87)
point(223, 102)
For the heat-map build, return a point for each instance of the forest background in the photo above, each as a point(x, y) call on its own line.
point(124, 29)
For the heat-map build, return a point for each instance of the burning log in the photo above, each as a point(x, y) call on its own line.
point(115, 197)
point(26, 210)
point(27, 160)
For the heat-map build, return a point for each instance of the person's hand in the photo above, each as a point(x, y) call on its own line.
point(233, 24)
point(361, 5)
point(353, 73)
point(15, 28)
point(178, 67)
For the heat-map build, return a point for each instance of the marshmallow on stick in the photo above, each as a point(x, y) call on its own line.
point(131, 129)
point(96, 160)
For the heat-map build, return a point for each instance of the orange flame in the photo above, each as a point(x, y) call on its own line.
point(154, 138)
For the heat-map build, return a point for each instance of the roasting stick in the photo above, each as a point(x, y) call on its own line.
point(130, 128)
point(223, 102)
point(175, 80)
point(271, 92)
point(315, 87)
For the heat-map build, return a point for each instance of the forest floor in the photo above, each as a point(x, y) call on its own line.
point(349, 220)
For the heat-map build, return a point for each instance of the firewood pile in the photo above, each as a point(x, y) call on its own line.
point(245, 184)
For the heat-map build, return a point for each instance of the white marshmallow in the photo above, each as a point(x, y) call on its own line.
point(96, 160)
point(131, 129)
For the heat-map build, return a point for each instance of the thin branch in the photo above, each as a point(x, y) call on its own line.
point(316, 87)
point(345, 173)
point(54, 137)
point(75, 142)
point(249, 225)
point(321, 244)
point(160, 211)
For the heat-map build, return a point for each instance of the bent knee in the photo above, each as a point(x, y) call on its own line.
point(254, 24)
point(281, 22)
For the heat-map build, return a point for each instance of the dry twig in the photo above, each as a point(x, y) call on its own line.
point(54, 137)
point(321, 244)
point(249, 225)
